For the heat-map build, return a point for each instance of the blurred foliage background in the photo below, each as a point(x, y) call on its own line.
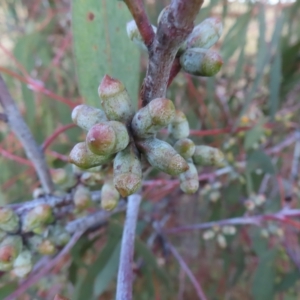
point(53, 57)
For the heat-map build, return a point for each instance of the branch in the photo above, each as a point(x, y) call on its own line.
point(188, 272)
point(175, 25)
point(124, 285)
point(3, 117)
point(21, 130)
point(137, 10)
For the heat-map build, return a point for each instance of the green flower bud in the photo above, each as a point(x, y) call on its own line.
point(23, 264)
point(46, 247)
point(127, 171)
point(109, 196)
point(10, 248)
point(189, 182)
point(162, 156)
point(179, 128)
point(34, 242)
point(204, 35)
point(9, 221)
point(115, 100)
point(201, 62)
point(86, 116)
point(59, 176)
point(185, 147)
point(36, 218)
point(135, 36)
point(58, 235)
point(82, 198)
point(83, 158)
point(208, 156)
point(107, 138)
point(92, 179)
point(153, 117)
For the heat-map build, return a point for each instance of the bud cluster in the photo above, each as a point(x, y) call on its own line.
point(195, 55)
point(32, 232)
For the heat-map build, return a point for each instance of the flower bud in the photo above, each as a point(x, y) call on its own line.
point(205, 34)
point(46, 247)
point(115, 100)
point(9, 221)
point(189, 182)
point(59, 176)
point(58, 235)
point(37, 217)
point(208, 156)
point(109, 196)
point(10, 248)
point(201, 62)
point(91, 178)
point(163, 156)
point(185, 147)
point(83, 158)
point(179, 128)
point(153, 117)
point(86, 116)
point(82, 198)
point(38, 193)
point(107, 138)
point(23, 264)
point(135, 36)
point(127, 171)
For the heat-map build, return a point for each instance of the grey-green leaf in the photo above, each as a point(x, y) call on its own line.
point(101, 46)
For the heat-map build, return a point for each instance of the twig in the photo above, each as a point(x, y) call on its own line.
point(188, 272)
point(46, 268)
point(176, 23)
point(3, 117)
point(23, 133)
point(125, 275)
point(254, 220)
point(137, 10)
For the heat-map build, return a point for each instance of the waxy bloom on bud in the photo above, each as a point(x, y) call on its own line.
point(208, 156)
point(10, 248)
point(127, 171)
point(204, 35)
point(185, 147)
point(115, 100)
point(86, 116)
point(201, 62)
point(107, 138)
point(58, 235)
point(23, 264)
point(162, 156)
point(189, 182)
point(179, 128)
point(109, 196)
point(83, 158)
point(82, 198)
point(37, 217)
point(135, 36)
point(9, 221)
point(153, 117)
point(46, 247)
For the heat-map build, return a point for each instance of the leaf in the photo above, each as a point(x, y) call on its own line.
point(85, 287)
point(264, 276)
point(261, 43)
point(101, 46)
point(288, 281)
point(107, 274)
point(260, 160)
point(7, 289)
point(252, 136)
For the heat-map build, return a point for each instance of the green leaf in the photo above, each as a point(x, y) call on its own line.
point(288, 281)
point(7, 289)
point(261, 43)
point(101, 46)
point(252, 136)
point(107, 274)
point(260, 160)
point(275, 82)
point(264, 276)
